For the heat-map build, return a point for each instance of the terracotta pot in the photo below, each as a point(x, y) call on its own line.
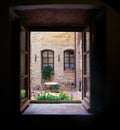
point(55, 91)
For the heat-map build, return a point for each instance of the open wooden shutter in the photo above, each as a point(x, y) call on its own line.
point(24, 68)
point(86, 69)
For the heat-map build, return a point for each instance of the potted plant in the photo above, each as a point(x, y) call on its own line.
point(55, 88)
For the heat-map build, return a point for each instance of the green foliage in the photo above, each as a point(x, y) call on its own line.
point(47, 72)
point(54, 87)
point(23, 93)
point(53, 96)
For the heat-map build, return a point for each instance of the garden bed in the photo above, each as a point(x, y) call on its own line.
point(52, 96)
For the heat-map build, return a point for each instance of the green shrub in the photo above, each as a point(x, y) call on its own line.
point(53, 96)
point(47, 72)
point(54, 87)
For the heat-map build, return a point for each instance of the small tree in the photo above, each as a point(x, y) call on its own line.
point(47, 72)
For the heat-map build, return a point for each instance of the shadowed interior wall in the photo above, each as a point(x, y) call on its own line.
point(8, 95)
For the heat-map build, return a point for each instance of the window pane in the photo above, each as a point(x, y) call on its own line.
point(72, 66)
point(23, 45)
point(71, 60)
point(87, 41)
point(51, 65)
point(66, 65)
point(86, 64)
point(84, 34)
point(50, 54)
point(23, 64)
point(45, 65)
point(23, 88)
point(66, 53)
point(45, 54)
point(71, 54)
point(86, 88)
point(50, 60)
point(66, 60)
point(45, 60)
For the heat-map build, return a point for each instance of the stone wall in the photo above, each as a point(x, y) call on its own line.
point(57, 42)
point(78, 60)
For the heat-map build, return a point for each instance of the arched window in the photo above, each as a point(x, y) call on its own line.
point(69, 60)
point(47, 58)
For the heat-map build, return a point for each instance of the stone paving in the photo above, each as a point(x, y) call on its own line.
point(56, 108)
point(60, 108)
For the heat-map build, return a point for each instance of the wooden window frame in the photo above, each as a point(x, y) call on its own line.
point(46, 50)
point(69, 62)
point(24, 67)
point(86, 70)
